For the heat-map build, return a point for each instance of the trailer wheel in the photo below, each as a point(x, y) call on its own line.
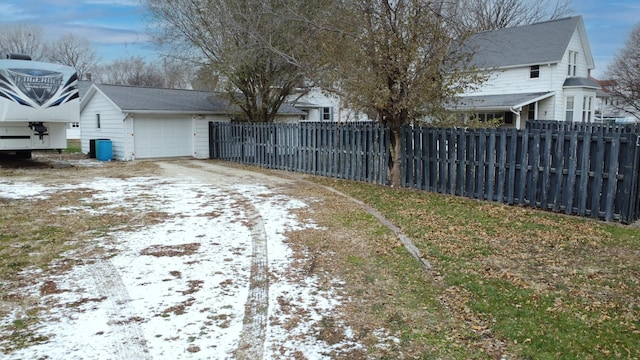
point(23, 155)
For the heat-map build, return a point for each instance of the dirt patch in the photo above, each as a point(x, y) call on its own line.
point(171, 250)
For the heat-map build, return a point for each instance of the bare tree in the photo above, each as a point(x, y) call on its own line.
point(400, 58)
point(482, 15)
point(176, 73)
point(252, 52)
point(74, 51)
point(23, 39)
point(129, 71)
point(625, 73)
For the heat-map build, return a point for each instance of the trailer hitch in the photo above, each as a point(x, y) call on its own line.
point(39, 129)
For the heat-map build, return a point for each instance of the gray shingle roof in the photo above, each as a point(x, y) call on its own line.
point(494, 102)
point(539, 43)
point(581, 82)
point(135, 98)
point(148, 99)
point(83, 87)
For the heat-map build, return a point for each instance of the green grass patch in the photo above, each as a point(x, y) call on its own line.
point(520, 283)
point(73, 146)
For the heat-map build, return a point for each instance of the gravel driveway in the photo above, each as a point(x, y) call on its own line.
point(202, 269)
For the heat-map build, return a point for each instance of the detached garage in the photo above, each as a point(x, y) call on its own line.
point(144, 122)
point(149, 122)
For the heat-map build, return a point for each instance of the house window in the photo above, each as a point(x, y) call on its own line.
point(98, 125)
point(489, 116)
point(535, 71)
point(569, 109)
point(531, 112)
point(327, 114)
point(573, 60)
point(586, 109)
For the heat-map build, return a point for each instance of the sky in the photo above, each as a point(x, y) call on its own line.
point(118, 28)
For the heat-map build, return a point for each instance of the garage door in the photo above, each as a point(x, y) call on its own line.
point(162, 138)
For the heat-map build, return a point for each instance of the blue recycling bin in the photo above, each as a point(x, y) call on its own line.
point(104, 149)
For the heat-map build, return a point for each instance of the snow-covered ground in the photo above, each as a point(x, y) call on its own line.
point(215, 279)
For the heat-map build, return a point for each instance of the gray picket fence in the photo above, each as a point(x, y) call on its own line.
point(590, 171)
point(593, 172)
point(354, 151)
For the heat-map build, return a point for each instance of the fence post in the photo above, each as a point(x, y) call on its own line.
point(634, 195)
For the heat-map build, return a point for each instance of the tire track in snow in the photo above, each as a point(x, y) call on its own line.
point(254, 329)
point(131, 343)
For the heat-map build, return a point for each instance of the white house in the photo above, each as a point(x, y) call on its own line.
point(319, 105)
point(144, 122)
point(538, 71)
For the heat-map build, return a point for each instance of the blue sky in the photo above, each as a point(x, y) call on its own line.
point(118, 28)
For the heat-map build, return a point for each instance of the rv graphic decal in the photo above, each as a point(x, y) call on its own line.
point(37, 87)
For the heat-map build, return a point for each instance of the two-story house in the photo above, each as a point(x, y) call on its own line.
point(538, 71)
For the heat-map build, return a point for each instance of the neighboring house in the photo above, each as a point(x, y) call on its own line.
point(147, 122)
point(319, 105)
point(538, 71)
point(608, 108)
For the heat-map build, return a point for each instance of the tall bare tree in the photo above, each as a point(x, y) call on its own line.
point(400, 58)
point(481, 15)
point(252, 51)
point(625, 73)
point(129, 71)
point(74, 51)
point(23, 39)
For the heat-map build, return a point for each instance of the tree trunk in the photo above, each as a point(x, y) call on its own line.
point(395, 167)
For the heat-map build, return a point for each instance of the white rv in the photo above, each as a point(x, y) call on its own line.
point(37, 100)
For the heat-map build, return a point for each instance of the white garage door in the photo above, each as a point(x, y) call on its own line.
point(163, 138)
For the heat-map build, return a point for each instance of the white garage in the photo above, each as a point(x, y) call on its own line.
point(144, 122)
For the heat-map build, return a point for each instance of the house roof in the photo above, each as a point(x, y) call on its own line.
point(581, 82)
point(83, 87)
point(500, 102)
point(136, 99)
point(539, 43)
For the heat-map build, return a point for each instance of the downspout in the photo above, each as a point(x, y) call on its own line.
point(518, 119)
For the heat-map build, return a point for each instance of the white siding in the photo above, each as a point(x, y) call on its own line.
point(112, 125)
point(201, 135)
point(576, 45)
point(517, 80)
point(321, 99)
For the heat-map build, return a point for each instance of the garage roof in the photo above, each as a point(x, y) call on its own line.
point(147, 99)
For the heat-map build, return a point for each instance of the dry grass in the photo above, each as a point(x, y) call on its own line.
point(33, 239)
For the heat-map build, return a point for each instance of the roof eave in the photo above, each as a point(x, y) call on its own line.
point(173, 112)
point(507, 67)
point(541, 97)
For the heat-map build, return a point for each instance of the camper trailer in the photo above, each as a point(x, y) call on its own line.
point(37, 100)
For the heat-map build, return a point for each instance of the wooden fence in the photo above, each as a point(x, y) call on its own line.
point(587, 171)
point(583, 173)
point(607, 127)
point(354, 151)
